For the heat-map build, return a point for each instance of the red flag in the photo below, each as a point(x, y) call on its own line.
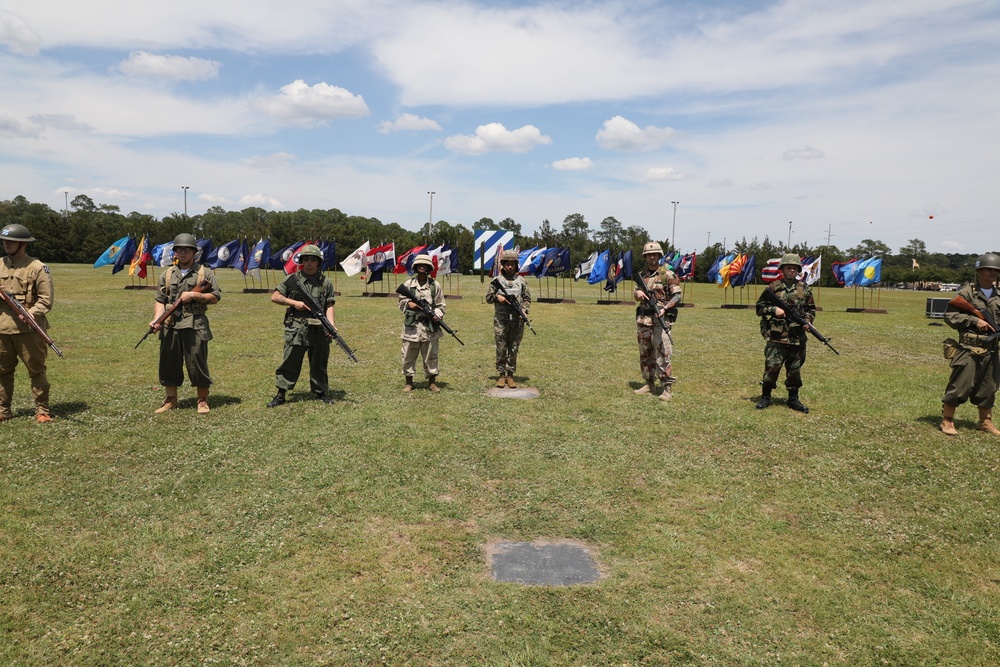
point(294, 264)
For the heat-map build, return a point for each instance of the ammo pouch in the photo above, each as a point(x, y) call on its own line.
point(951, 348)
point(975, 343)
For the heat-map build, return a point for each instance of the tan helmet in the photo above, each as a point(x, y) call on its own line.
point(508, 256)
point(423, 258)
point(652, 248)
point(311, 250)
point(990, 260)
point(790, 258)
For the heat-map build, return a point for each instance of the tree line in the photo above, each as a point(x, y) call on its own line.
point(80, 234)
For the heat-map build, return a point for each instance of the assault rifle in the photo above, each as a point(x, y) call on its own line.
point(641, 286)
point(795, 316)
point(962, 304)
point(331, 330)
point(29, 319)
point(513, 303)
point(202, 287)
point(425, 307)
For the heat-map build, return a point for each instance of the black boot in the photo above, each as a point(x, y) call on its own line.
point(279, 399)
point(326, 398)
point(794, 403)
point(765, 398)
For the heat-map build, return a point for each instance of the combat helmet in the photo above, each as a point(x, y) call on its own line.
point(16, 232)
point(311, 250)
point(990, 260)
point(185, 240)
point(508, 256)
point(424, 259)
point(790, 258)
point(652, 248)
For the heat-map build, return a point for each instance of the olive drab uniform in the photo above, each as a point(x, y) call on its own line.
point(304, 333)
point(27, 280)
point(655, 346)
point(975, 367)
point(785, 340)
point(421, 336)
point(508, 327)
point(185, 334)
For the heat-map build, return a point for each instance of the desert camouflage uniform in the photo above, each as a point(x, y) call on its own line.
point(27, 280)
point(786, 340)
point(185, 334)
point(421, 336)
point(508, 328)
point(975, 368)
point(655, 348)
point(304, 334)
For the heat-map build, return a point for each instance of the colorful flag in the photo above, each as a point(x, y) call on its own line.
point(584, 268)
point(722, 273)
point(294, 263)
point(110, 256)
point(841, 271)
point(125, 256)
point(599, 271)
point(713, 271)
point(730, 270)
point(404, 261)
point(444, 260)
point(163, 254)
point(486, 243)
point(140, 258)
point(524, 259)
point(810, 270)
point(869, 272)
point(745, 274)
point(381, 258)
point(771, 270)
point(617, 271)
point(355, 262)
point(685, 270)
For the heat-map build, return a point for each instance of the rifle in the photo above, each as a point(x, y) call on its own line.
point(961, 303)
point(641, 285)
point(200, 289)
point(512, 302)
point(795, 316)
point(331, 330)
point(19, 308)
point(405, 291)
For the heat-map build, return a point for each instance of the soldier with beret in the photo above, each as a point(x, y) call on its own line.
point(184, 335)
point(508, 327)
point(421, 334)
point(304, 334)
point(655, 345)
point(27, 280)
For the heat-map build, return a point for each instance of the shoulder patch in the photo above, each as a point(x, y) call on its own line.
point(45, 268)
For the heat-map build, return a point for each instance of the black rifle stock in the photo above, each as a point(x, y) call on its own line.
point(29, 319)
point(331, 330)
point(201, 288)
point(425, 307)
point(514, 303)
point(795, 316)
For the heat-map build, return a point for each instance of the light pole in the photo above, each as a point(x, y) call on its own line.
point(708, 241)
point(430, 215)
point(66, 209)
point(673, 231)
point(185, 189)
point(789, 244)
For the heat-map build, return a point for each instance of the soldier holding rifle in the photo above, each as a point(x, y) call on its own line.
point(304, 331)
point(27, 281)
point(658, 293)
point(421, 331)
point(184, 335)
point(511, 301)
point(975, 367)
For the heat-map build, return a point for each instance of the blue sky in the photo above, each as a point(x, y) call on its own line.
point(859, 119)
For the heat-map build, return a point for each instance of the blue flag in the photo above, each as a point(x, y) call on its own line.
point(329, 250)
point(110, 256)
point(260, 255)
point(124, 258)
point(600, 269)
point(222, 256)
point(868, 272)
point(204, 250)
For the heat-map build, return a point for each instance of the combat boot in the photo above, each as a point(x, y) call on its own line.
point(948, 419)
point(667, 393)
point(794, 403)
point(510, 382)
point(203, 408)
point(502, 382)
point(986, 421)
point(433, 384)
point(765, 398)
point(408, 387)
point(647, 388)
point(326, 398)
point(169, 400)
point(279, 399)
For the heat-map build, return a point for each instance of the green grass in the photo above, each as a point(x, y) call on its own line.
point(354, 533)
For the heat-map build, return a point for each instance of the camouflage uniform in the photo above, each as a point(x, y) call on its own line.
point(421, 336)
point(655, 347)
point(786, 340)
point(975, 368)
point(508, 328)
point(304, 334)
point(185, 334)
point(27, 280)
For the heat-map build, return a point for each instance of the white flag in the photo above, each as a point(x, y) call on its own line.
point(356, 263)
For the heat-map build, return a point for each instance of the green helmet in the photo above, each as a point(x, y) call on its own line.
point(185, 241)
point(990, 260)
point(790, 258)
point(311, 250)
point(16, 233)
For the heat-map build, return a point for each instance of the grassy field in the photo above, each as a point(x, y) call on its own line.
point(354, 533)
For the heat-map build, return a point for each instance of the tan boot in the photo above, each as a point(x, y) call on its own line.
point(502, 382)
point(667, 394)
point(169, 400)
point(948, 419)
point(986, 421)
point(433, 384)
point(203, 408)
point(510, 382)
point(647, 388)
point(408, 387)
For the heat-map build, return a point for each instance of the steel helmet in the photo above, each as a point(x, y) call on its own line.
point(185, 240)
point(508, 256)
point(16, 233)
point(990, 260)
point(790, 258)
point(311, 250)
point(652, 248)
point(423, 259)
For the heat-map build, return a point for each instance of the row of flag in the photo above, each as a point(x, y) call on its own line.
point(737, 270)
point(374, 262)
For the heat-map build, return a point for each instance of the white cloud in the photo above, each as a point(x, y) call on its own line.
point(270, 161)
point(806, 153)
point(13, 126)
point(261, 200)
point(621, 134)
point(573, 164)
point(17, 36)
point(662, 174)
point(309, 106)
point(62, 121)
point(496, 137)
point(408, 122)
point(177, 68)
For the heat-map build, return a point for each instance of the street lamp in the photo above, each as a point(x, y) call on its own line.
point(185, 189)
point(673, 232)
point(430, 215)
point(789, 244)
point(66, 209)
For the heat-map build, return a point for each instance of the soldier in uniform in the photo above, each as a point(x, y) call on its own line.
point(184, 335)
point(508, 327)
point(975, 366)
point(655, 345)
point(785, 340)
point(27, 280)
point(303, 333)
point(421, 335)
